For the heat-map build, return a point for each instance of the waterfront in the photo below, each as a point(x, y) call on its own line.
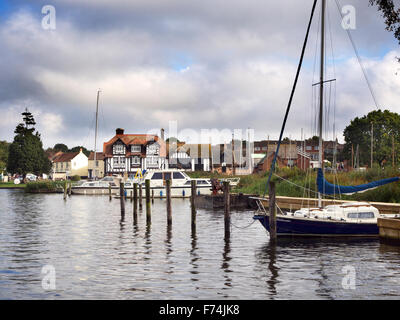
point(98, 256)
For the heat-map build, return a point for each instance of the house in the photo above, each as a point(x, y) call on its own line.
point(96, 169)
point(130, 153)
point(68, 164)
point(265, 163)
point(194, 157)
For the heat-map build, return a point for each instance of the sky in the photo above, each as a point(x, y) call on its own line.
point(222, 66)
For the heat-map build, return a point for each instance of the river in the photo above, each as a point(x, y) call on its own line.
point(93, 254)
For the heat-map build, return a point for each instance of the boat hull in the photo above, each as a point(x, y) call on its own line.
point(292, 226)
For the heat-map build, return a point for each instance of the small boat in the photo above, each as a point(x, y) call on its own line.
point(97, 187)
point(180, 183)
point(350, 219)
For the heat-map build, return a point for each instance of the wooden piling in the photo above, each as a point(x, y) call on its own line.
point(70, 189)
point(121, 197)
point(192, 204)
point(168, 194)
point(272, 212)
point(109, 191)
point(65, 190)
point(132, 195)
point(152, 196)
point(227, 214)
point(148, 205)
point(135, 199)
point(140, 197)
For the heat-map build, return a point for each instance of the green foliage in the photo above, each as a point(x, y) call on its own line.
point(60, 147)
point(75, 178)
point(391, 15)
point(296, 180)
point(44, 186)
point(3, 154)
point(386, 127)
point(77, 149)
point(25, 153)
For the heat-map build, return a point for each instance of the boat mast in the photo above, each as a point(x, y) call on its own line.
point(321, 93)
point(95, 135)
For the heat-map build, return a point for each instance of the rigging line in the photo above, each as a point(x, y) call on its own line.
point(291, 97)
point(358, 58)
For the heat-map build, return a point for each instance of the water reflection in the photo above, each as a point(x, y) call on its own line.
point(226, 258)
point(194, 257)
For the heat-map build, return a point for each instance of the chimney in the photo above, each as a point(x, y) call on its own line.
point(162, 134)
point(119, 131)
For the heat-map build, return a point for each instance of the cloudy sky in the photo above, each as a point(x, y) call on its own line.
point(219, 65)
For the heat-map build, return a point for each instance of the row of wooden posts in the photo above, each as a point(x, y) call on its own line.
point(137, 200)
point(226, 189)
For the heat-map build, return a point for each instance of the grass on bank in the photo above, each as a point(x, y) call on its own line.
point(7, 185)
point(298, 183)
point(44, 186)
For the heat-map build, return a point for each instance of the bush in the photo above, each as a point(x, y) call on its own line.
point(75, 178)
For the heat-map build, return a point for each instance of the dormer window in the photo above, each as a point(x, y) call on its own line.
point(136, 148)
point(119, 148)
point(153, 149)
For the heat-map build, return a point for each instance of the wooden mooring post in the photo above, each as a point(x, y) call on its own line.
point(135, 199)
point(122, 198)
point(65, 190)
point(272, 212)
point(109, 191)
point(168, 194)
point(227, 213)
point(140, 197)
point(148, 205)
point(192, 204)
point(152, 196)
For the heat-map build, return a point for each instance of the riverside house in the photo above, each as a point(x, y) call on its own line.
point(128, 153)
point(96, 168)
point(68, 164)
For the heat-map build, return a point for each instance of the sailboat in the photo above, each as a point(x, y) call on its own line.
point(350, 219)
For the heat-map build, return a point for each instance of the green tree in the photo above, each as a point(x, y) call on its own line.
point(386, 127)
point(3, 154)
point(25, 153)
point(391, 15)
point(60, 147)
point(84, 150)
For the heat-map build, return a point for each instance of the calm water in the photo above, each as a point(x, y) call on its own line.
point(97, 256)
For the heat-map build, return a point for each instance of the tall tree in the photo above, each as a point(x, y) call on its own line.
point(60, 147)
point(391, 14)
point(3, 155)
point(25, 153)
point(386, 126)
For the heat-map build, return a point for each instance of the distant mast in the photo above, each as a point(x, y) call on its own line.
point(321, 93)
point(95, 135)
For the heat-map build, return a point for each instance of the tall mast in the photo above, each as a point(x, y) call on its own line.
point(321, 92)
point(95, 135)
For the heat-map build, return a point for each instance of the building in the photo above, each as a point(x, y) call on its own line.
point(194, 157)
point(96, 169)
point(130, 153)
point(69, 164)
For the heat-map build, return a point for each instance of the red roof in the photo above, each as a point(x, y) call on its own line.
point(133, 139)
point(65, 156)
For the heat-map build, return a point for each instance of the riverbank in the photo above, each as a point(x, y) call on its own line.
point(11, 185)
point(296, 183)
point(45, 186)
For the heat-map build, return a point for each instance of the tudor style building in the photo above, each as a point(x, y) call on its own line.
point(128, 153)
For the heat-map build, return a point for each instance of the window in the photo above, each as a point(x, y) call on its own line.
point(178, 175)
point(308, 148)
point(136, 148)
point(202, 182)
point(118, 148)
point(257, 148)
point(157, 176)
point(152, 161)
point(135, 161)
point(119, 162)
point(153, 149)
point(265, 148)
point(97, 163)
point(360, 215)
